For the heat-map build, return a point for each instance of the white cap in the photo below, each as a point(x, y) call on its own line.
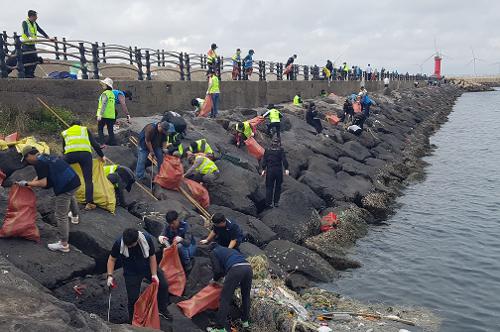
point(107, 81)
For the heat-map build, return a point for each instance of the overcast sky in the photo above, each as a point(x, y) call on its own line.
point(396, 34)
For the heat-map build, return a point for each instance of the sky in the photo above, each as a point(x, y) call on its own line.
point(395, 34)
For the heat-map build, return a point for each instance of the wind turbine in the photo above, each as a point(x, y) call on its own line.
point(473, 61)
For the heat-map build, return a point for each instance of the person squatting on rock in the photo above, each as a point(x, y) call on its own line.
point(78, 142)
point(232, 265)
point(135, 250)
point(55, 173)
point(151, 142)
point(202, 146)
point(274, 117)
point(121, 177)
point(177, 231)
point(197, 103)
point(202, 169)
point(312, 118)
point(106, 112)
point(243, 131)
point(297, 100)
point(225, 232)
point(273, 163)
point(177, 121)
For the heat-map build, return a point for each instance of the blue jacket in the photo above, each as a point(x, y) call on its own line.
point(183, 231)
point(118, 93)
point(223, 259)
point(248, 61)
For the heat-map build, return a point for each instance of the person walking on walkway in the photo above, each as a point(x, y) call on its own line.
point(212, 58)
point(273, 162)
point(30, 30)
point(151, 143)
point(248, 65)
point(274, 117)
point(55, 173)
point(135, 251)
point(106, 112)
point(232, 265)
point(288, 67)
point(236, 65)
point(214, 91)
point(78, 142)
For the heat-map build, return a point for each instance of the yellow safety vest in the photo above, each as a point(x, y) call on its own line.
point(274, 115)
point(32, 30)
point(211, 57)
point(110, 169)
point(199, 143)
point(207, 166)
point(76, 139)
point(246, 130)
point(297, 101)
point(109, 112)
point(215, 85)
point(346, 68)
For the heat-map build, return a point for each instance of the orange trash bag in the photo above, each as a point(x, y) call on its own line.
point(256, 121)
point(146, 312)
point(206, 108)
point(206, 299)
point(172, 269)
point(333, 119)
point(329, 222)
point(14, 137)
point(2, 177)
point(199, 192)
point(288, 69)
point(254, 148)
point(20, 219)
point(356, 106)
point(171, 173)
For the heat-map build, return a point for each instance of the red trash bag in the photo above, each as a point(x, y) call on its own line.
point(256, 121)
point(198, 192)
point(146, 312)
point(206, 299)
point(288, 69)
point(20, 219)
point(206, 107)
point(333, 119)
point(356, 106)
point(14, 137)
point(173, 271)
point(171, 173)
point(2, 177)
point(329, 222)
point(254, 148)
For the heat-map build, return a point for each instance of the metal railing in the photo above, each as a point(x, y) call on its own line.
point(91, 58)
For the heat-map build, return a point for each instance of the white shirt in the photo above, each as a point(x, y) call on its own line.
point(386, 81)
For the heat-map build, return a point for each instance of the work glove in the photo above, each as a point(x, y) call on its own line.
point(178, 239)
point(287, 172)
point(163, 240)
point(205, 241)
point(22, 183)
point(154, 278)
point(109, 282)
point(263, 173)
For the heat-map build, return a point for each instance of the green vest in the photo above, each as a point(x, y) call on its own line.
point(76, 139)
point(207, 166)
point(211, 57)
point(297, 101)
point(109, 112)
point(200, 143)
point(215, 85)
point(32, 30)
point(246, 130)
point(274, 115)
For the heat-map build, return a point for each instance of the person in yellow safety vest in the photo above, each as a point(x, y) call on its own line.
point(236, 65)
point(202, 168)
point(243, 132)
point(106, 113)
point(212, 57)
point(274, 117)
point(121, 177)
point(345, 71)
point(297, 100)
point(213, 90)
point(29, 36)
point(78, 142)
point(201, 146)
point(197, 103)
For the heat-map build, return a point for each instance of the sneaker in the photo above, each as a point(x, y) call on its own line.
point(74, 220)
point(58, 246)
point(90, 206)
point(245, 324)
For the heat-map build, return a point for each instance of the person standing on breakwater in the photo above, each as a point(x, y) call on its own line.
point(236, 65)
point(29, 36)
point(288, 67)
point(106, 112)
point(312, 118)
point(225, 232)
point(248, 65)
point(136, 251)
point(55, 173)
point(273, 162)
point(274, 117)
point(214, 91)
point(212, 58)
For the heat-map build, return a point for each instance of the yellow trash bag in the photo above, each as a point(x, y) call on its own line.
point(327, 72)
point(104, 192)
point(42, 147)
point(3, 145)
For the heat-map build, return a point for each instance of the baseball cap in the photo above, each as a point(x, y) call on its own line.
point(28, 149)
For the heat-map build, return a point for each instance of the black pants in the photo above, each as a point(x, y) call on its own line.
point(316, 123)
point(111, 134)
point(84, 159)
point(277, 126)
point(237, 276)
point(133, 285)
point(29, 71)
point(117, 182)
point(274, 180)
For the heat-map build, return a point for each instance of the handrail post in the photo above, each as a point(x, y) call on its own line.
point(56, 48)
point(239, 71)
point(162, 58)
point(83, 62)
point(181, 66)
point(279, 72)
point(95, 60)
point(158, 58)
point(306, 73)
point(261, 77)
point(148, 66)
point(19, 56)
point(188, 66)
point(5, 41)
point(65, 50)
point(139, 64)
point(130, 55)
point(218, 66)
point(3, 66)
point(103, 51)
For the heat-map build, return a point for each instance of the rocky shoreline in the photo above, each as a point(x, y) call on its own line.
point(356, 177)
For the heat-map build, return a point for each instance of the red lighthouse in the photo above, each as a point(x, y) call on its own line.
point(437, 66)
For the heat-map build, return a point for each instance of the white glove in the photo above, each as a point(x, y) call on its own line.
point(163, 240)
point(204, 241)
point(263, 173)
point(287, 172)
point(99, 118)
point(154, 278)
point(109, 282)
point(178, 239)
point(128, 118)
point(22, 183)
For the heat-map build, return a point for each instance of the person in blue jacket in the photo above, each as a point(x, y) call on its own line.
point(248, 64)
point(120, 98)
